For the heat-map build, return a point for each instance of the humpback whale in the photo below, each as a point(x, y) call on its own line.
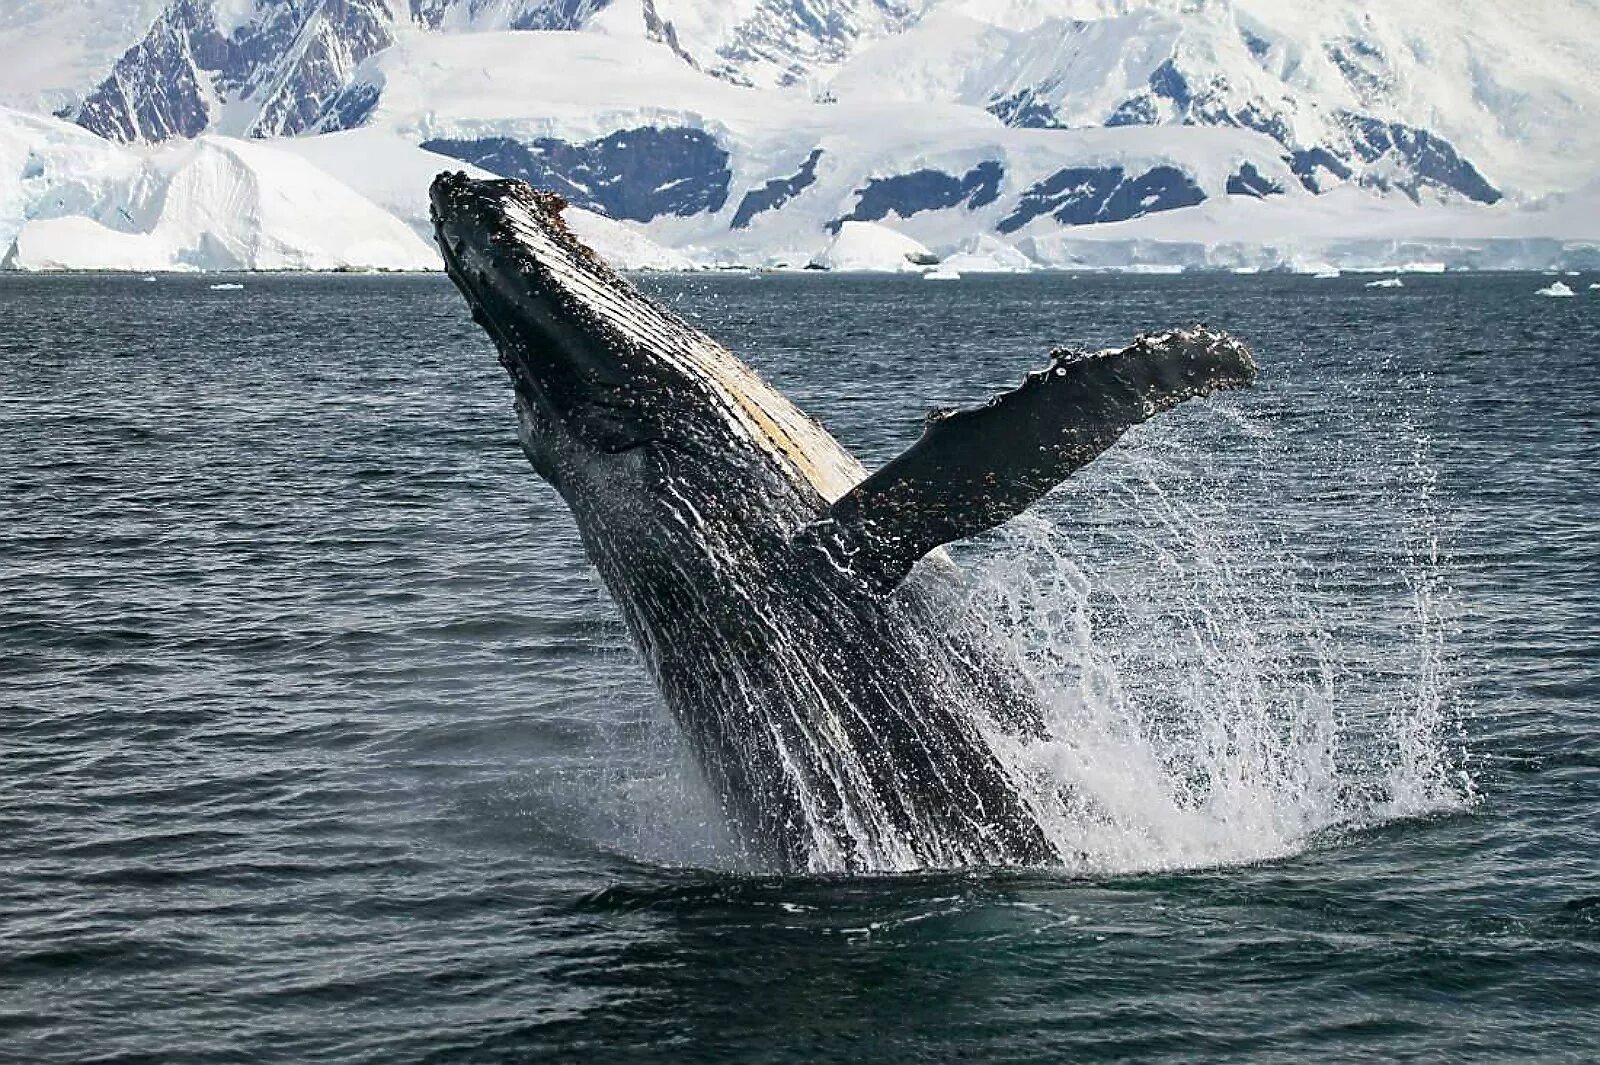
point(798, 614)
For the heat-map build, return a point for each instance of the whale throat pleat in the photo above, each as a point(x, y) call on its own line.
point(615, 308)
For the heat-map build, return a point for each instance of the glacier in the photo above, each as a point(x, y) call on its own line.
point(70, 200)
point(995, 135)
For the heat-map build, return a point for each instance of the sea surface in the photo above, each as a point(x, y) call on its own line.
point(321, 742)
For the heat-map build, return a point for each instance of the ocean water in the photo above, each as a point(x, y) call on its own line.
point(320, 742)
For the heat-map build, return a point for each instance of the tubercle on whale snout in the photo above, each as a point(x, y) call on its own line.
point(491, 198)
point(502, 211)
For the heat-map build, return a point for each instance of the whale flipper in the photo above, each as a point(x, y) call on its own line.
point(974, 469)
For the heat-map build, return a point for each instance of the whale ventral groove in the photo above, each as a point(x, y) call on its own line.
point(846, 705)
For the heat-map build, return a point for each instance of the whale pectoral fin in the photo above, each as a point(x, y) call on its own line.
point(974, 469)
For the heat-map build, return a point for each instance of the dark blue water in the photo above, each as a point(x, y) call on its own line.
point(320, 741)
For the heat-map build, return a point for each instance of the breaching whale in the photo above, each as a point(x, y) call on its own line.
point(837, 695)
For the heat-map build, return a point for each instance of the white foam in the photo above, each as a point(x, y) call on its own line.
point(1208, 704)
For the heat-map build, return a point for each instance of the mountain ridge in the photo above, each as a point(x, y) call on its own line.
point(753, 130)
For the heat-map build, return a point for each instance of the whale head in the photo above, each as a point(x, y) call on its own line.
point(621, 403)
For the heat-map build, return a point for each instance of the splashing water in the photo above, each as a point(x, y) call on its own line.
point(1212, 698)
point(1223, 683)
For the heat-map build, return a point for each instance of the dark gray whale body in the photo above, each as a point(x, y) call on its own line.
point(841, 703)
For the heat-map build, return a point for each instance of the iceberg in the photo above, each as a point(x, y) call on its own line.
point(1387, 282)
point(1557, 288)
point(72, 201)
point(871, 247)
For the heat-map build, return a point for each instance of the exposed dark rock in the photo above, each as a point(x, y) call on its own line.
point(1429, 159)
point(1249, 181)
point(1167, 83)
point(777, 192)
point(1083, 195)
point(1024, 110)
point(795, 37)
point(1422, 158)
point(1306, 162)
point(154, 92)
point(1363, 65)
point(662, 31)
point(637, 174)
point(288, 63)
point(555, 14)
point(1161, 188)
point(1135, 111)
point(286, 70)
point(925, 190)
point(526, 15)
point(351, 108)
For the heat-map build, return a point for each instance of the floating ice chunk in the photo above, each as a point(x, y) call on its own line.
point(942, 273)
point(1325, 275)
point(1556, 288)
point(1387, 282)
point(225, 286)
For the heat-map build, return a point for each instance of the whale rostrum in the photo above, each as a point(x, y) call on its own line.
point(841, 700)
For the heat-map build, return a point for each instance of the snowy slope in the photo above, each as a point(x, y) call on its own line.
point(735, 174)
point(52, 52)
point(265, 68)
point(736, 171)
point(1346, 230)
point(48, 168)
point(1470, 98)
point(771, 43)
point(1507, 90)
point(70, 200)
point(868, 246)
point(394, 175)
point(1083, 133)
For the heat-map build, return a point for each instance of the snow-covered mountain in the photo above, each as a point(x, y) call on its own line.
point(72, 200)
point(52, 52)
point(267, 68)
point(1075, 131)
